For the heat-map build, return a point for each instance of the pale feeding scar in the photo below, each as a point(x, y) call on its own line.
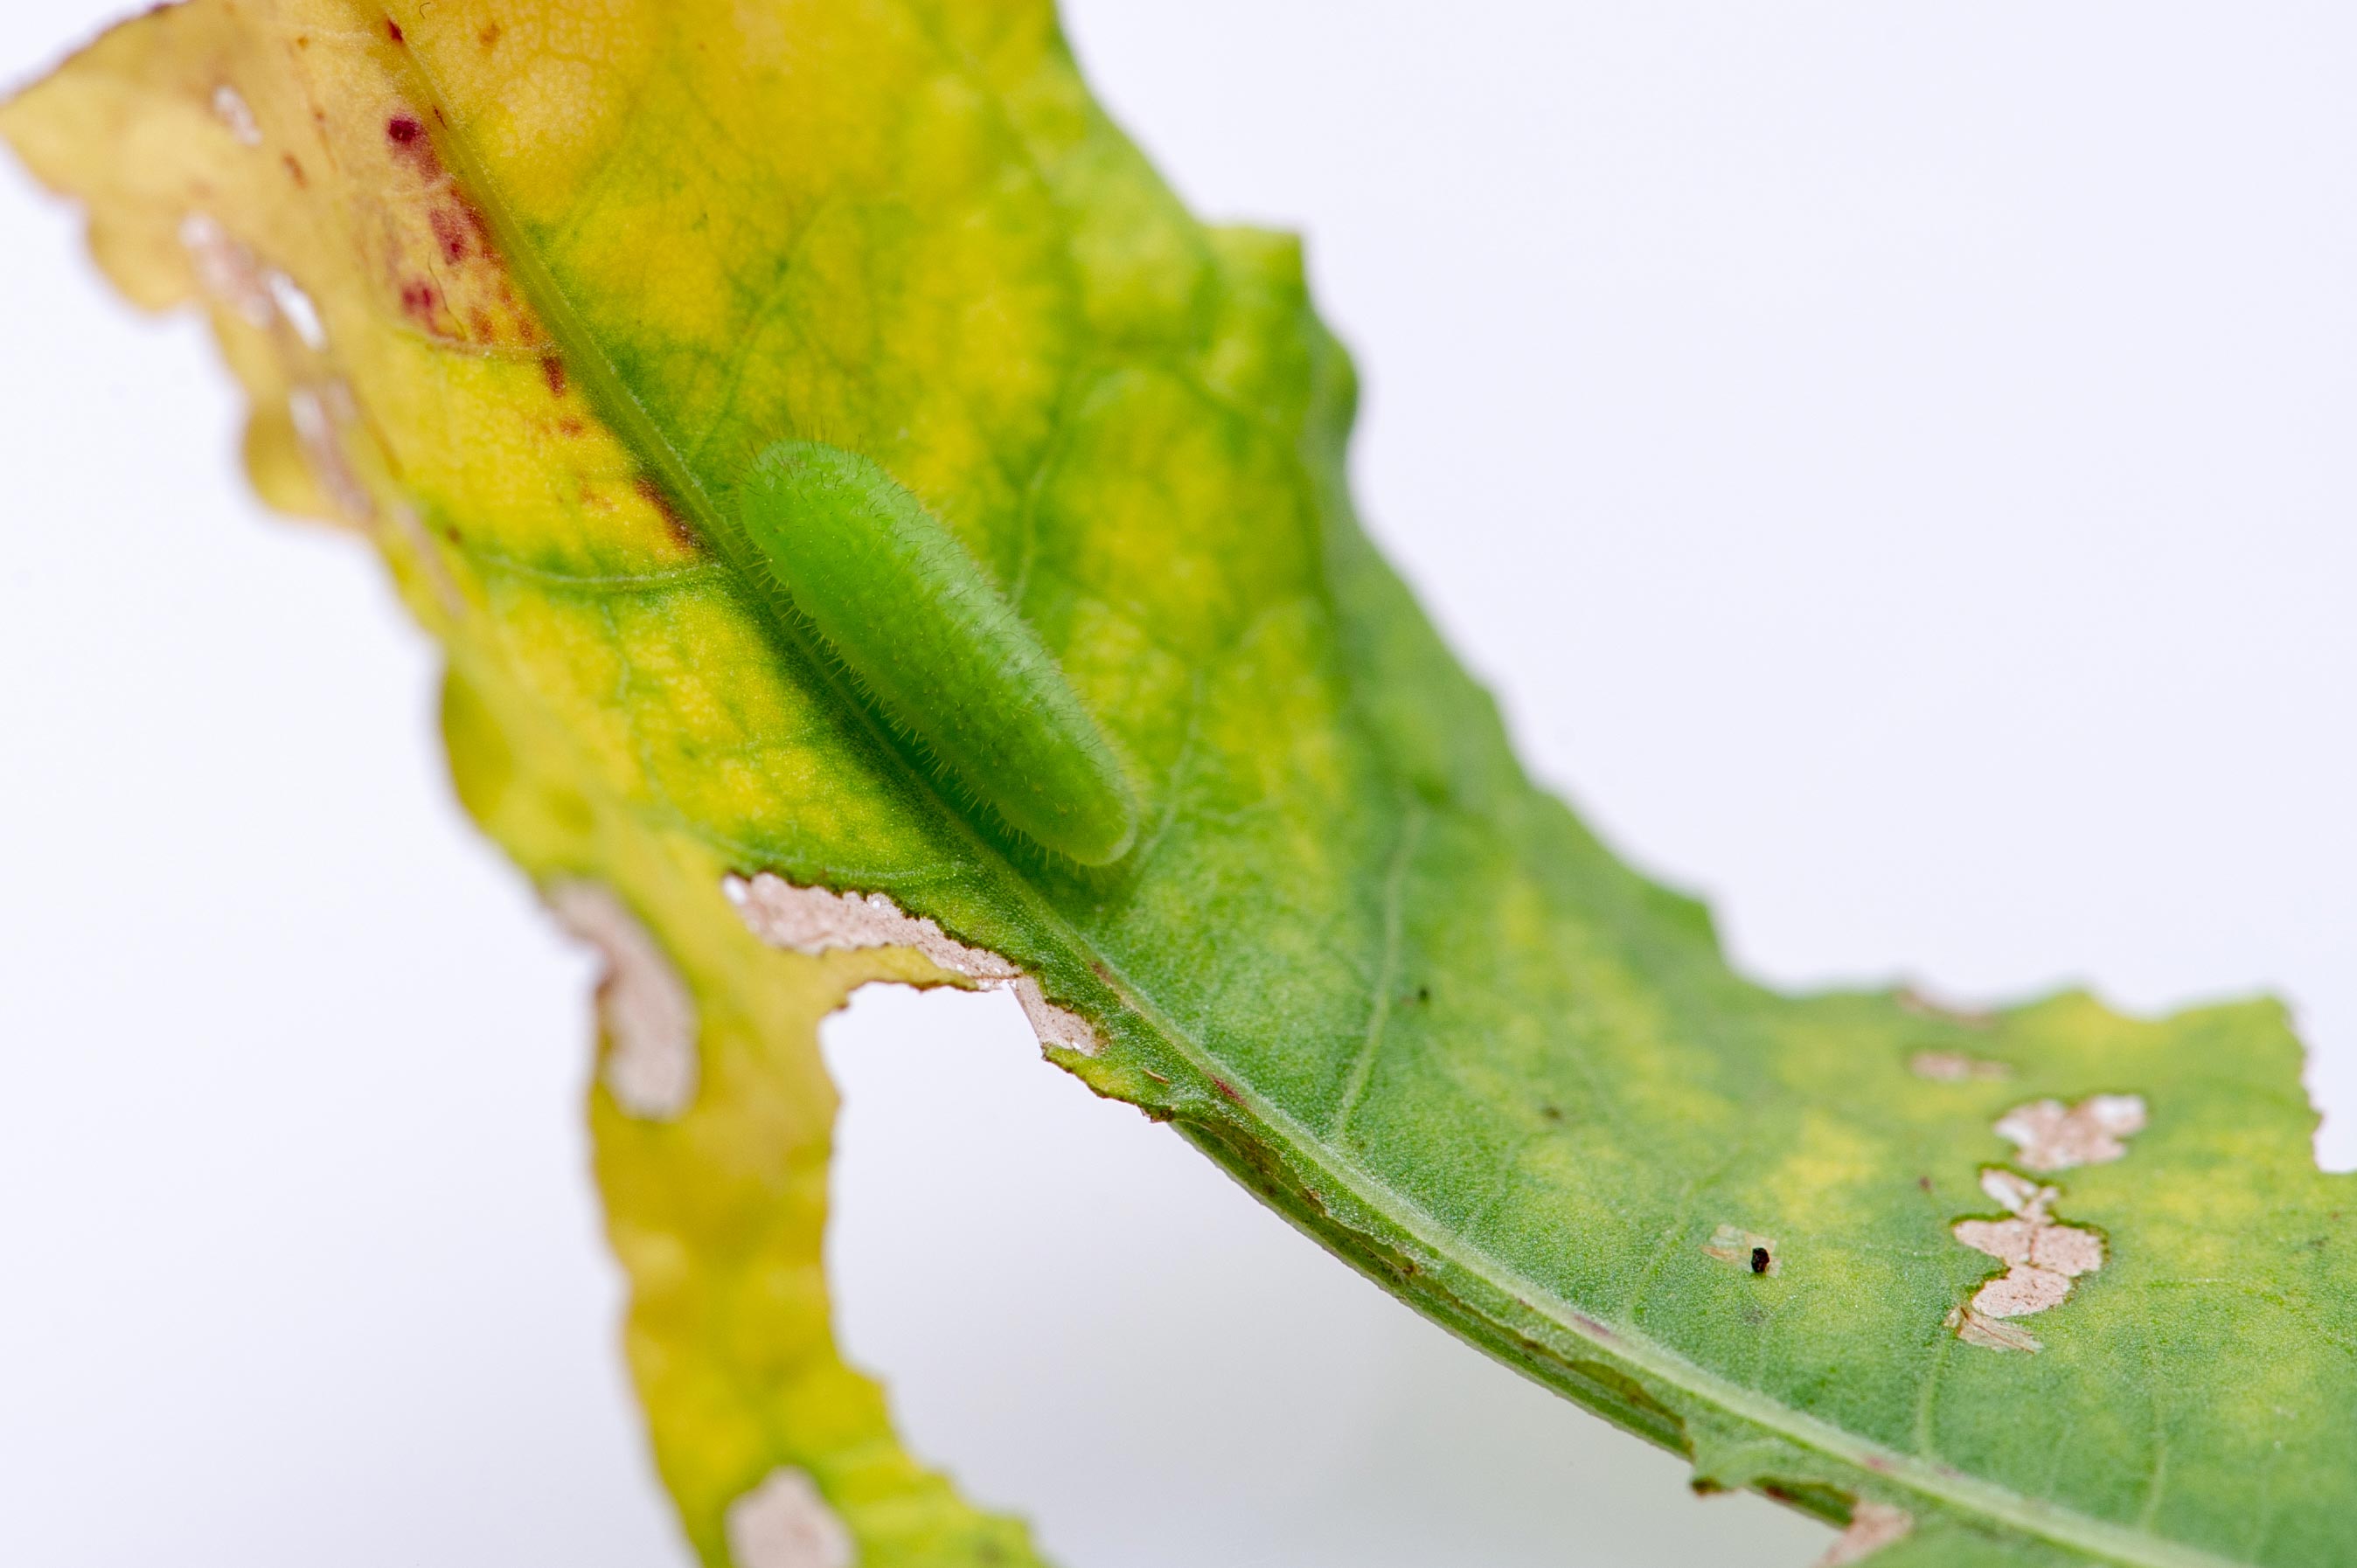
point(1954, 1067)
point(1733, 1245)
point(643, 1005)
point(230, 108)
point(2041, 1256)
point(1872, 1527)
point(817, 919)
point(784, 1523)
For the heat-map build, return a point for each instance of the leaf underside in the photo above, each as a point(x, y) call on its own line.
point(520, 288)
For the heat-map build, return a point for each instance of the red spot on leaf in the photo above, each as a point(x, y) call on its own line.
point(409, 142)
point(419, 299)
point(392, 30)
point(680, 532)
point(481, 227)
point(551, 371)
point(450, 231)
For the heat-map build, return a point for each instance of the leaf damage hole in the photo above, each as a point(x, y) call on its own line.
point(784, 1523)
point(1916, 1000)
point(319, 415)
point(263, 298)
point(228, 272)
point(644, 1008)
point(818, 919)
point(296, 309)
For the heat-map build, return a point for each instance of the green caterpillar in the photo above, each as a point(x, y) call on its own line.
point(937, 645)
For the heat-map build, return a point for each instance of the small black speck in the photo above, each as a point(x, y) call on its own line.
point(1551, 1113)
point(1924, 1182)
point(1424, 994)
point(1759, 1259)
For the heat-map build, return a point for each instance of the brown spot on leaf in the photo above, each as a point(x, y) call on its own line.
point(294, 169)
point(551, 371)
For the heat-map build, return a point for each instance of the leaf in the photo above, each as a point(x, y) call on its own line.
point(523, 291)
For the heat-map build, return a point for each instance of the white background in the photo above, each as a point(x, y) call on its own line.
point(1894, 461)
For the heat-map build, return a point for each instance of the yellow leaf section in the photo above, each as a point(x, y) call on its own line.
point(276, 160)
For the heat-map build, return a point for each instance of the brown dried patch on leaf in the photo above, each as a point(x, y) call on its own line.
point(1745, 1249)
point(2053, 1137)
point(1872, 1527)
point(784, 1523)
point(643, 1007)
point(819, 920)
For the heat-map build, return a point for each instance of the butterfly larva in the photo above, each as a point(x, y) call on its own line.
point(937, 645)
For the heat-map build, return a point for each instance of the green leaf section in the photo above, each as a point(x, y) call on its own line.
point(574, 271)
